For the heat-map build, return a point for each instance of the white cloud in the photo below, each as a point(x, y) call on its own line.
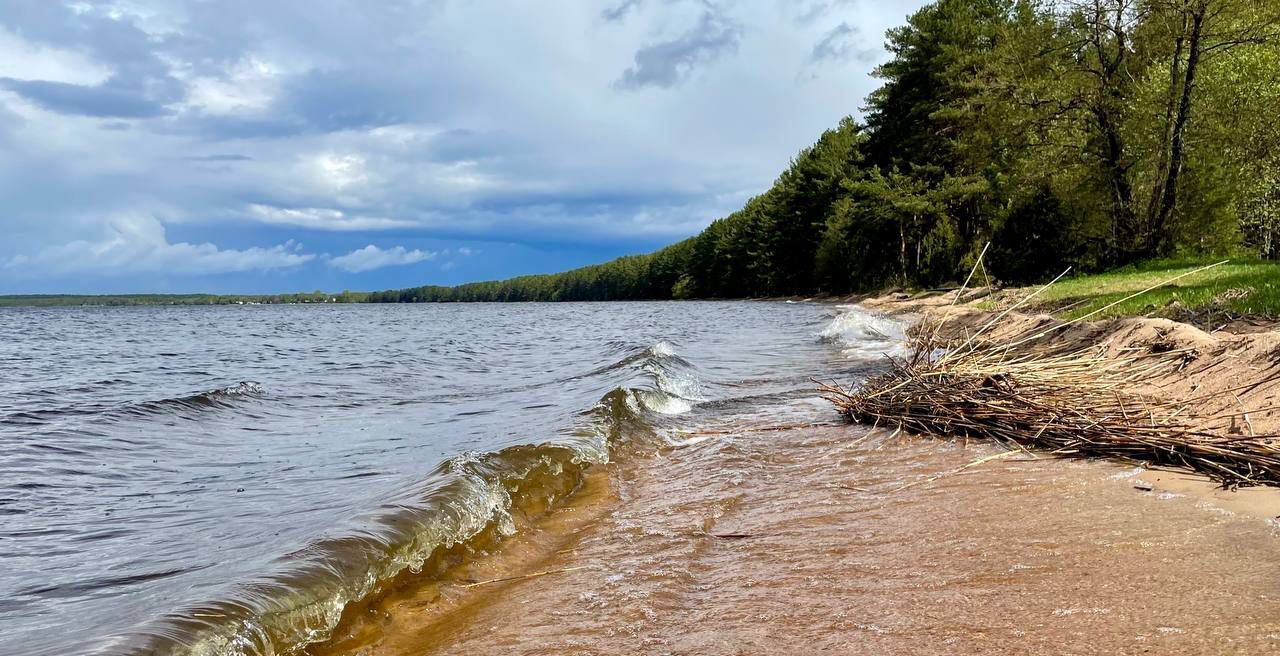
point(322, 218)
point(26, 61)
point(248, 86)
point(371, 257)
point(137, 244)
point(339, 171)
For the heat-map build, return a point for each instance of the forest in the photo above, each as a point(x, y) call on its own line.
point(1082, 133)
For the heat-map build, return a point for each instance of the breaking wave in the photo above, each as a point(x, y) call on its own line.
point(862, 334)
point(221, 397)
point(468, 502)
point(217, 398)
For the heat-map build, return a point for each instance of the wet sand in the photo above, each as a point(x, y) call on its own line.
point(836, 540)
point(845, 540)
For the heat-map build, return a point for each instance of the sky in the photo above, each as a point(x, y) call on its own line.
point(240, 146)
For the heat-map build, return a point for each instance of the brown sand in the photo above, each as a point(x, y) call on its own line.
point(761, 545)
point(1211, 365)
point(847, 541)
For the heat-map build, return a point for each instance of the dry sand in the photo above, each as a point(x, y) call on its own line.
point(1209, 364)
point(1212, 363)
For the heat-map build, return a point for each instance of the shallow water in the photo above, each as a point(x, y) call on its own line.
point(849, 541)
point(226, 480)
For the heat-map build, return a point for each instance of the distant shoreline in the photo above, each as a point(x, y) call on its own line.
point(133, 300)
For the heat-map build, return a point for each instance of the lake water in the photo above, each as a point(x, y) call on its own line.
point(225, 480)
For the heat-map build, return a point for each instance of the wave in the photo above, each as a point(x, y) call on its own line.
point(862, 334)
point(218, 398)
point(674, 384)
point(222, 397)
point(668, 384)
point(469, 502)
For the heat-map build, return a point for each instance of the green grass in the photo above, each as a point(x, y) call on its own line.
point(1240, 287)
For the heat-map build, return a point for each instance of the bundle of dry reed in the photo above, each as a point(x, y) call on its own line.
point(1078, 404)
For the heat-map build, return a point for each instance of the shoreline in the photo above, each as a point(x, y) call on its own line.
point(686, 562)
point(694, 556)
point(424, 612)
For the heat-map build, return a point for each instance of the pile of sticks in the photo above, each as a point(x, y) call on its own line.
point(1079, 404)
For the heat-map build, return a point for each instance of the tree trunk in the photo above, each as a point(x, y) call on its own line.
point(1109, 42)
point(902, 251)
point(1157, 240)
point(1171, 106)
point(1124, 219)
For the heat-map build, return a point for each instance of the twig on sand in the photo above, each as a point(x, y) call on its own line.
point(732, 536)
point(533, 575)
point(1244, 413)
point(758, 429)
point(957, 470)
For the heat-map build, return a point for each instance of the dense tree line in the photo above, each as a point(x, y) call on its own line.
point(1091, 133)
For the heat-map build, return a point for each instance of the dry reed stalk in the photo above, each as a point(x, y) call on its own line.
point(1078, 404)
point(521, 577)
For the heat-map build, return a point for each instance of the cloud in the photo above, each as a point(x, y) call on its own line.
point(320, 218)
point(371, 257)
point(227, 157)
point(249, 85)
point(100, 101)
point(140, 84)
point(620, 11)
point(665, 63)
point(841, 44)
point(809, 11)
point(24, 60)
point(137, 244)
point(486, 122)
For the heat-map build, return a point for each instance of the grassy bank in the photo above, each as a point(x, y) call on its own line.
point(1239, 288)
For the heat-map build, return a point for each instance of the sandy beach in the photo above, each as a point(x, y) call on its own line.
point(850, 540)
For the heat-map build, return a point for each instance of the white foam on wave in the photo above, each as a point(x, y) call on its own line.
point(676, 386)
point(682, 384)
point(662, 349)
point(242, 388)
point(864, 335)
point(663, 403)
